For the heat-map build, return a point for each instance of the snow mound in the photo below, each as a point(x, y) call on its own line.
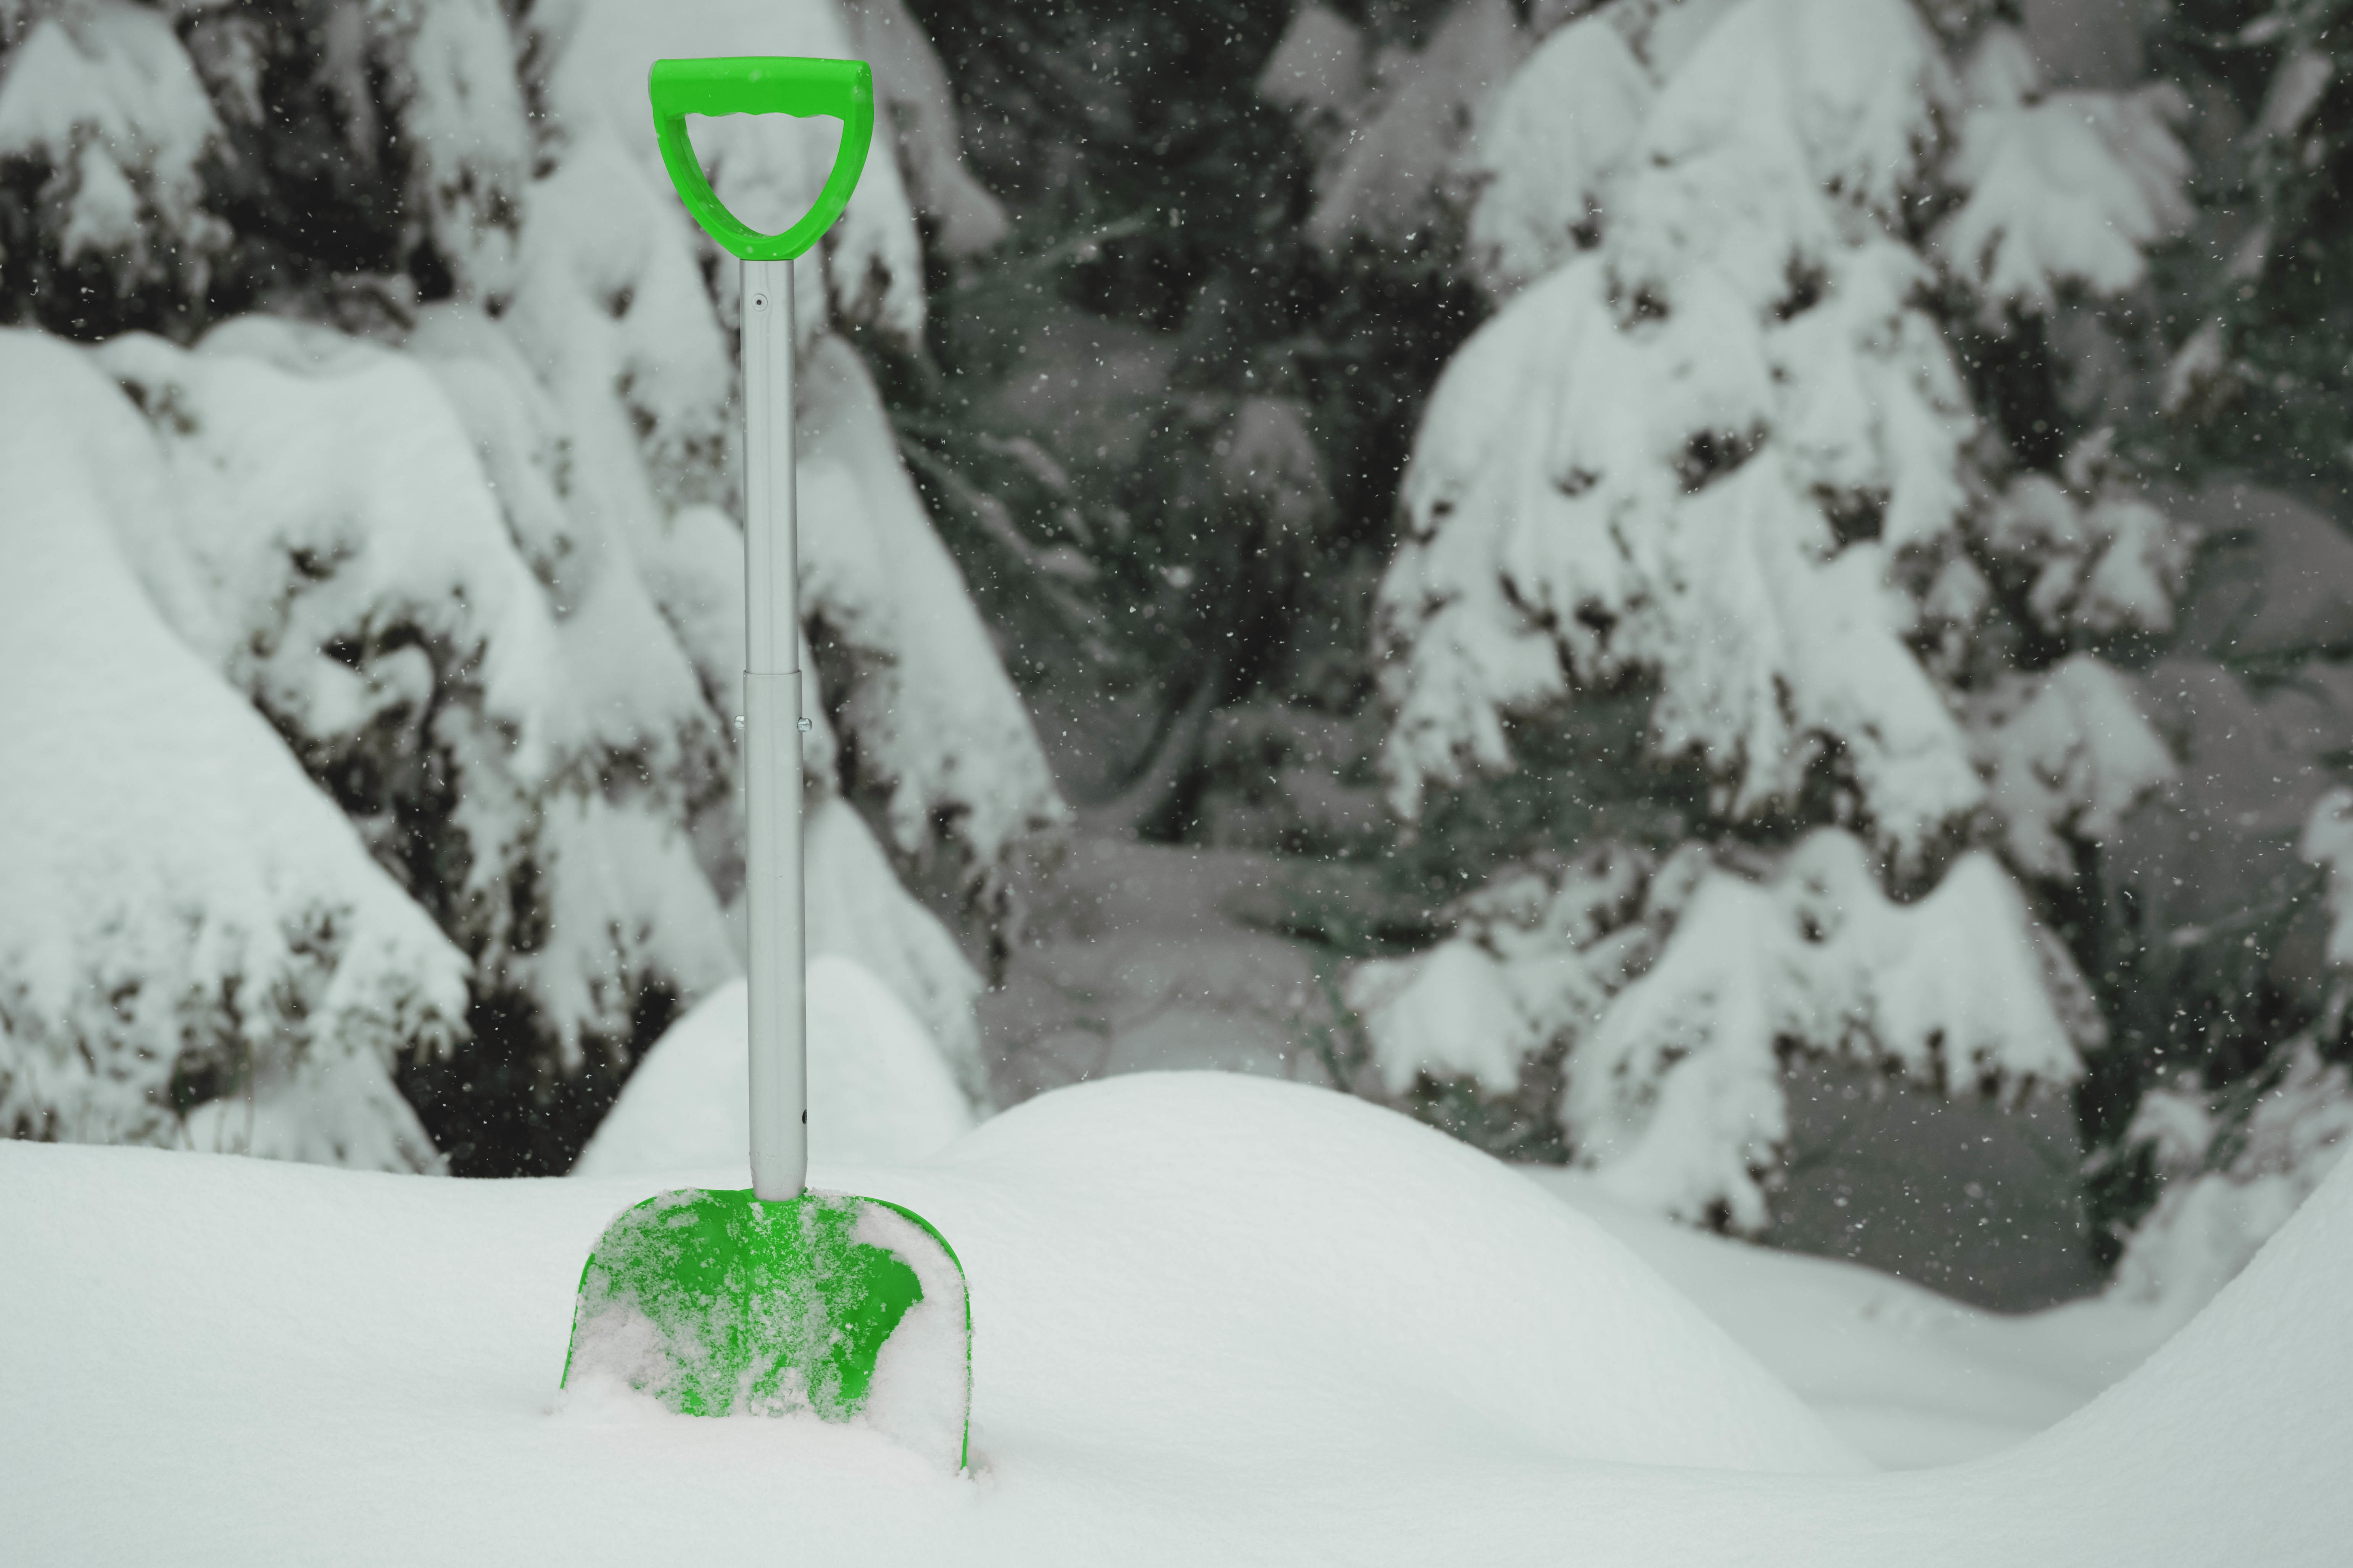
point(1215, 1320)
point(857, 909)
point(879, 1090)
point(1910, 1377)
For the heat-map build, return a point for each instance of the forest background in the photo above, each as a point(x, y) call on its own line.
point(1743, 594)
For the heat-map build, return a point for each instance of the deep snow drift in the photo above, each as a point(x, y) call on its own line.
point(1216, 1320)
point(878, 1090)
point(1910, 1377)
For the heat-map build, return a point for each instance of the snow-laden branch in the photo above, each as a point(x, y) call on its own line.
point(188, 918)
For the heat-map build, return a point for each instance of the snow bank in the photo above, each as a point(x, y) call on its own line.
point(1215, 1320)
point(857, 909)
point(879, 1091)
point(1911, 1378)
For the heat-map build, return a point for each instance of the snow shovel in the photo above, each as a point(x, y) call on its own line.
point(776, 1300)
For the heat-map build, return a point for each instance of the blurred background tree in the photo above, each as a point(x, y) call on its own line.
point(439, 382)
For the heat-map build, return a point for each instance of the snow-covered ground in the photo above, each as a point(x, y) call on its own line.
point(1216, 1320)
point(1909, 1377)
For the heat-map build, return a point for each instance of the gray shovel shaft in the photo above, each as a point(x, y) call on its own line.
point(777, 959)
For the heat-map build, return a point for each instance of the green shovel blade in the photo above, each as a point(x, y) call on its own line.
point(718, 1304)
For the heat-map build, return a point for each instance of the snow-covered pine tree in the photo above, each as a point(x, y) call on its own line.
point(2233, 1161)
point(428, 457)
point(1253, 520)
point(194, 944)
point(1718, 449)
point(2222, 970)
point(1391, 107)
point(2263, 385)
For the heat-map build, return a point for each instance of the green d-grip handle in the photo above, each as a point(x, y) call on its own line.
point(763, 84)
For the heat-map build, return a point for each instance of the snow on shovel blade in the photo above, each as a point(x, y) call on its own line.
point(849, 1309)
